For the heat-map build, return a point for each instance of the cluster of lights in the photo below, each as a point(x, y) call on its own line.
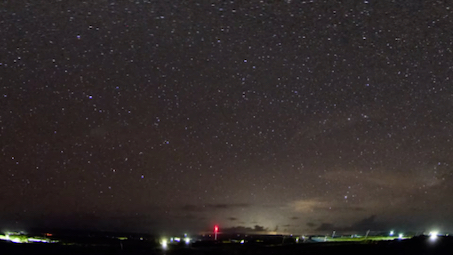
point(164, 242)
point(25, 239)
point(432, 235)
point(400, 235)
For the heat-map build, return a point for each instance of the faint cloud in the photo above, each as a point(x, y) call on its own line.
point(325, 127)
point(307, 205)
point(315, 205)
point(208, 207)
point(311, 224)
point(257, 229)
point(99, 132)
point(402, 180)
point(368, 223)
point(226, 206)
point(326, 227)
point(189, 208)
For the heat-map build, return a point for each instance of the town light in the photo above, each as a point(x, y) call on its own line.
point(164, 243)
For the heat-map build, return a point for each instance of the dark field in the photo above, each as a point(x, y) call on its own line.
point(416, 245)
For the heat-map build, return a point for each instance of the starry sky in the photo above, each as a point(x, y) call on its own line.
point(260, 116)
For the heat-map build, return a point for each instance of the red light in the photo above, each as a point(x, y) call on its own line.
point(216, 228)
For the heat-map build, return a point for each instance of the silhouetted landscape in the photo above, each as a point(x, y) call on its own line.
point(77, 242)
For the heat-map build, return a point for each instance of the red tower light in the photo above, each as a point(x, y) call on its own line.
point(216, 228)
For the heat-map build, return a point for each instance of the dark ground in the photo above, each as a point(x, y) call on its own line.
point(417, 245)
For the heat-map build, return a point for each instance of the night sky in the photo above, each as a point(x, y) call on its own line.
point(260, 116)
